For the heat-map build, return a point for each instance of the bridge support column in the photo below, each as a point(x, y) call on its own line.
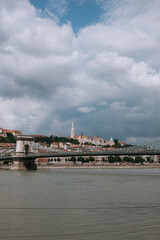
point(24, 164)
point(23, 145)
point(29, 163)
point(17, 165)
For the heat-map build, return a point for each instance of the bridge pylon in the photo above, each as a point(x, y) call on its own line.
point(23, 148)
point(23, 145)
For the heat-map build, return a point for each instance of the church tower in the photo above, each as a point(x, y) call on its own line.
point(72, 131)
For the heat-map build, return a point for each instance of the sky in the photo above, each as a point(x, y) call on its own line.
point(93, 62)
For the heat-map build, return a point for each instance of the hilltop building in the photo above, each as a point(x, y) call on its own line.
point(3, 132)
point(98, 141)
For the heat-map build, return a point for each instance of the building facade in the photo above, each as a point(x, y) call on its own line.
point(98, 141)
point(3, 132)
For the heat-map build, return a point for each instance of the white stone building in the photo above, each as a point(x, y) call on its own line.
point(98, 141)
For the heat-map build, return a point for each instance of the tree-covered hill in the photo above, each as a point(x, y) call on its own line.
point(9, 139)
point(49, 140)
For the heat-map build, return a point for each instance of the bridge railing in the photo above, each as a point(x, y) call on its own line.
point(8, 150)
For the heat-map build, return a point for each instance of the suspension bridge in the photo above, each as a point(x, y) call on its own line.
point(26, 151)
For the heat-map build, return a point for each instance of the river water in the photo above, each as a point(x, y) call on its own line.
point(80, 204)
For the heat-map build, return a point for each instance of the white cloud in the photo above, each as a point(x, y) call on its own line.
point(102, 103)
point(59, 7)
point(141, 140)
point(49, 76)
point(17, 114)
point(86, 109)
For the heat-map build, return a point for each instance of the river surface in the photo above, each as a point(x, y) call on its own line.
point(80, 204)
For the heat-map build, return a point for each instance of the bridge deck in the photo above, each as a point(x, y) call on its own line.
point(83, 154)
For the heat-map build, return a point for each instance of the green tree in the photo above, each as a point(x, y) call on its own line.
point(91, 159)
point(128, 159)
point(111, 159)
point(81, 159)
point(139, 159)
point(49, 140)
point(104, 160)
point(10, 138)
point(117, 159)
point(2, 139)
point(148, 159)
point(73, 159)
point(116, 142)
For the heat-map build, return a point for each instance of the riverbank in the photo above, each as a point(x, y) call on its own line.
point(87, 165)
point(94, 166)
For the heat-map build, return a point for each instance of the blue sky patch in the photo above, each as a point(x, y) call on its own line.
point(79, 13)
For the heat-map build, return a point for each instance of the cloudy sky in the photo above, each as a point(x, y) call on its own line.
point(94, 62)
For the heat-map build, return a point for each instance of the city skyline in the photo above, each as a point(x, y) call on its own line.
point(92, 62)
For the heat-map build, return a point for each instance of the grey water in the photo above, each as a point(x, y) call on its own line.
point(80, 204)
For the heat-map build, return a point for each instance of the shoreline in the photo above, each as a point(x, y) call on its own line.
point(87, 166)
point(96, 166)
point(99, 167)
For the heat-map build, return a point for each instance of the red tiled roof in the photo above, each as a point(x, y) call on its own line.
point(84, 136)
point(6, 145)
point(76, 136)
point(54, 143)
point(10, 131)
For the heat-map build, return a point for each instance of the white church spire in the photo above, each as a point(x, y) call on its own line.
point(72, 130)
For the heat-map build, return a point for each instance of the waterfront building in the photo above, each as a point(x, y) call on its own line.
point(54, 145)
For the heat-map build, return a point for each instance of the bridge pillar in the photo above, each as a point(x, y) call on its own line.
point(23, 148)
point(18, 165)
point(29, 163)
point(24, 164)
point(23, 145)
